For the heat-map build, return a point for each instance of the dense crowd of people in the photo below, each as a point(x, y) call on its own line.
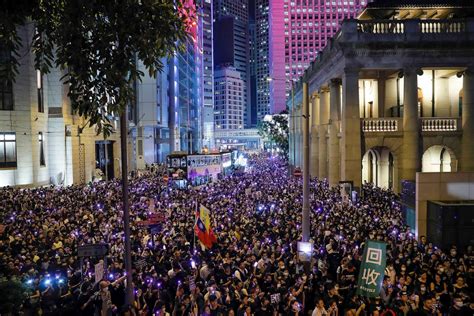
point(253, 268)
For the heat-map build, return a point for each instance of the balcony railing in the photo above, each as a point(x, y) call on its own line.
point(394, 124)
point(381, 27)
point(400, 27)
point(442, 26)
point(439, 124)
point(382, 125)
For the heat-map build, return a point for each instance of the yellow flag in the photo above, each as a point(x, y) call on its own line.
point(205, 218)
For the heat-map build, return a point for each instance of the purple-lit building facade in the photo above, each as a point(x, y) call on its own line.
point(299, 29)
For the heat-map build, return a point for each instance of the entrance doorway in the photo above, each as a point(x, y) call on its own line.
point(104, 158)
point(378, 167)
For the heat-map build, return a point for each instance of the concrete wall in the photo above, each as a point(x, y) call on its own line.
point(450, 186)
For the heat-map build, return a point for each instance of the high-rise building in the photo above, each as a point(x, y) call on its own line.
point(172, 112)
point(299, 29)
point(262, 58)
point(229, 98)
point(205, 32)
point(252, 92)
point(231, 40)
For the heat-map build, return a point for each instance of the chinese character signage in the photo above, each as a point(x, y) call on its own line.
point(372, 269)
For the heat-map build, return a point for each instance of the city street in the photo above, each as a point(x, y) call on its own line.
point(253, 264)
point(237, 157)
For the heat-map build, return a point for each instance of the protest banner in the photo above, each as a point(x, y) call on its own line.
point(99, 271)
point(275, 298)
point(372, 269)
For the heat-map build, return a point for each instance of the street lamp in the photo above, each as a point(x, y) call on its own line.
point(305, 210)
point(293, 123)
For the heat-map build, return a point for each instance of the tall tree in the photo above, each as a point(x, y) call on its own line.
point(97, 43)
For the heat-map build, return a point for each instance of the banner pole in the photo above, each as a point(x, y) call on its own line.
point(194, 227)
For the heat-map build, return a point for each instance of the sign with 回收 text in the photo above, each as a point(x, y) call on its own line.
point(372, 269)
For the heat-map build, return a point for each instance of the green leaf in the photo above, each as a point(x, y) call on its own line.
point(97, 44)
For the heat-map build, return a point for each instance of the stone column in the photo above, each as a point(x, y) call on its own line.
point(467, 143)
point(334, 127)
point(411, 126)
point(323, 121)
point(351, 158)
point(314, 156)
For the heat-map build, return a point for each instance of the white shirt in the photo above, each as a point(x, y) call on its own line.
point(319, 312)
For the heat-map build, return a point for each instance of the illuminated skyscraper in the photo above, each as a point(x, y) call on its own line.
point(206, 33)
point(299, 29)
point(262, 66)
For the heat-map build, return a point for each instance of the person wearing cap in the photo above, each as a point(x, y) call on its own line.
point(402, 305)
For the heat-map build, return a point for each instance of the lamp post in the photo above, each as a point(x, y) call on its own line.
point(305, 220)
point(292, 115)
point(126, 213)
point(305, 225)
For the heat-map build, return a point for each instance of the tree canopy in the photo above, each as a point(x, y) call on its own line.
point(275, 129)
point(97, 44)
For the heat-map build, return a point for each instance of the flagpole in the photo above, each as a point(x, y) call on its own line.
point(194, 230)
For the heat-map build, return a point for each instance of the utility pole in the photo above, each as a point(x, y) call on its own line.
point(305, 222)
point(293, 121)
point(126, 214)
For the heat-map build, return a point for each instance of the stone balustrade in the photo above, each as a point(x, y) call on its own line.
point(400, 27)
point(393, 124)
point(442, 26)
point(381, 27)
point(440, 124)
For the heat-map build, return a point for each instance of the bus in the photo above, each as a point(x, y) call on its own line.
point(198, 169)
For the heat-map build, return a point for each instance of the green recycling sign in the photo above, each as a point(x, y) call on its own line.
point(372, 269)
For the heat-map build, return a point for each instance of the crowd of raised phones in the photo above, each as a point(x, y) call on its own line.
point(253, 268)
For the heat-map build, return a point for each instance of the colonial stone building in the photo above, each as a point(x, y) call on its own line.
point(390, 95)
point(41, 141)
